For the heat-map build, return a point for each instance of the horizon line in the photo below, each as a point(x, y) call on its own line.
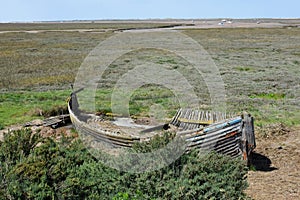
point(148, 19)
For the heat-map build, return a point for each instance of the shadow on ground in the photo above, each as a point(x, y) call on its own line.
point(261, 162)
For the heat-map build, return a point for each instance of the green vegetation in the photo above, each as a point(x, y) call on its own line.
point(23, 106)
point(158, 141)
point(20, 107)
point(243, 69)
point(274, 96)
point(143, 98)
point(296, 62)
point(140, 101)
point(32, 167)
point(45, 60)
point(260, 69)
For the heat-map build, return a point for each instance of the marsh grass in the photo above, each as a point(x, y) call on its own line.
point(259, 67)
point(22, 106)
point(32, 60)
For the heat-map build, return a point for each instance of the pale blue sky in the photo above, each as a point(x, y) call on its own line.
point(45, 10)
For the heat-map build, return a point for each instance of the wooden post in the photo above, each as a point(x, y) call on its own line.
point(248, 137)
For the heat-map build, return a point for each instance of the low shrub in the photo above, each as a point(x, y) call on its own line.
point(32, 168)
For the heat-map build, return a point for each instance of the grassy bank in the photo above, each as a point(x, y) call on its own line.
point(20, 107)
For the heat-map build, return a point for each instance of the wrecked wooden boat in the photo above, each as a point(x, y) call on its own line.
point(229, 135)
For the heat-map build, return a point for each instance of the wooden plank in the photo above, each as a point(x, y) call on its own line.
point(57, 120)
point(193, 121)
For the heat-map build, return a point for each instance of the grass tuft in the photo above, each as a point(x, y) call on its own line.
point(272, 96)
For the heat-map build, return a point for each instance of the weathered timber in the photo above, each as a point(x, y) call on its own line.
point(227, 134)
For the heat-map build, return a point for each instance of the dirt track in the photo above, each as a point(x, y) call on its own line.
point(277, 161)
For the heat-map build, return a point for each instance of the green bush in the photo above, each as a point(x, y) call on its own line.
point(155, 143)
point(55, 110)
point(36, 168)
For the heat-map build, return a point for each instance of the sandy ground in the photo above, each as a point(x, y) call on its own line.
point(228, 24)
point(277, 162)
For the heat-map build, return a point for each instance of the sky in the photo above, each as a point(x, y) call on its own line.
point(53, 10)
